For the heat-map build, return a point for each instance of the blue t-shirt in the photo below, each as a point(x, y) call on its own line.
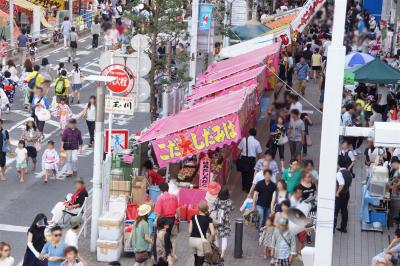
point(54, 251)
point(22, 40)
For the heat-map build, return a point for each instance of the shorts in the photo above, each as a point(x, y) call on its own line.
point(318, 68)
point(32, 152)
point(295, 148)
point(280, 262)
point(77, 87)
point(3, 159)
point(21, 165)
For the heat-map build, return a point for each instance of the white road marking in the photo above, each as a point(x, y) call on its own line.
point(13, 228)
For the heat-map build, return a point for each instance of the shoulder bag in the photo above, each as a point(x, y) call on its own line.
point(211, 252)
point(243, 163)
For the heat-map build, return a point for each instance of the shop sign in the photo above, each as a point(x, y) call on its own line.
point(309, 9)
point(205, 17)
point(119, 105)
point(205, 172)
point(207, 136)
point(119, 139)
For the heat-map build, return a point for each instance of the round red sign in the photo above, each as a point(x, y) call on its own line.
point(121, 83)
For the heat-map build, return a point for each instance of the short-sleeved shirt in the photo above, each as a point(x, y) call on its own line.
point(308, 191)
point(21, 154)
point(155, 177)
point(166, 205)
point(265, 192)
point(54, 251)
point(292, 179)
point(204, 222)
point(253, 145)
point(7, 262)
point(296, 129)
point(384, 91)
point(140, 231)
point(22, 40)
point(316, 59)
point(39, 78)
point(302, 71)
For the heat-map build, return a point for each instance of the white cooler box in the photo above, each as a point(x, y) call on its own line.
point(108, 251)
point(111, 226)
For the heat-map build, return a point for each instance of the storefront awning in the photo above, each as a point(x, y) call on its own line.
point(30, 6)
point(232, 83)
point(203, 127)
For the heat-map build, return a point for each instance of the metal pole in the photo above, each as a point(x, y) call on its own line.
point(238, 252)
point(193, 43)
point(165, 101)
point(330, 139)
point(97, 166)
point(11, 19)
point(226, 21)
point(396, 27)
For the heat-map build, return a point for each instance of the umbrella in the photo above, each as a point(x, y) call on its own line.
point(356, 59)
point(249, 30)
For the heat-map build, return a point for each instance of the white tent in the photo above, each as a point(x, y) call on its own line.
point(245, 47)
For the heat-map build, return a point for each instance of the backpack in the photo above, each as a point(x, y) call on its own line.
point(7, 85)
point(60, 86)
point(32, 82)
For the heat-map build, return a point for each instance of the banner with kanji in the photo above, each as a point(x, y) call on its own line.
point(201, 138)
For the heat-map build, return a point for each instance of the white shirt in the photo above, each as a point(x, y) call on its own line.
point(253, 145)
point(396, 152)
point(293, 202)
point(71, 238)
point(76, 77)
point(339, 178)
point(21, 154)
point(346, 120)
point(260, 176)
point(108, 40)
point(384, 91)
point(7, 262)
point(325, 47)
point(297, 106)
point(91, 113)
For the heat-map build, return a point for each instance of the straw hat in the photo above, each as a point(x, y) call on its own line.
point(214, 188)
point(144, 209)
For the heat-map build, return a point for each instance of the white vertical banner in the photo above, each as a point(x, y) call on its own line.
point(303, 18)
point(239, 13)
point(106, 182)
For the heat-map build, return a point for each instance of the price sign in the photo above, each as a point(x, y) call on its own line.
point(121, 83)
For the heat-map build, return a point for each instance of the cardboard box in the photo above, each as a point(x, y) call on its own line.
point(118, 188)
point(139, 191)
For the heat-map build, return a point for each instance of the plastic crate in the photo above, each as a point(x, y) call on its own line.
point(378, 217)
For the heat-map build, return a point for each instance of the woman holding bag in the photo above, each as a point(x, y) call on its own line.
point(198, 227)
point(142, 239)
point(278, 139)
point(31, 136)
point(90, 115)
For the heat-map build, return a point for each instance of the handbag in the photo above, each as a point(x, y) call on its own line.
point(73, 44)
point(283, 139)
point(211, 252)
point(43, 114)
point(243, 163)
point(308, 140)
point(141, 256)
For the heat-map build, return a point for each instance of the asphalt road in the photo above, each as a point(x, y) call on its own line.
point(19, 203)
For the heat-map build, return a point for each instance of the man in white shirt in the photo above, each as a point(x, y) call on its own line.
point(383, 92)
point(343, 182)
point(325, 45)
point(294, 103)
point(249, 148)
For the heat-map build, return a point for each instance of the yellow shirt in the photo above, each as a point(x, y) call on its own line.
point(39, 79)
point(316, 60)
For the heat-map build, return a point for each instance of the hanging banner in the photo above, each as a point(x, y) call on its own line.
point(239, 12)
point(204, 172)
point(204, 137)
point(310, 8)
point(205, 17)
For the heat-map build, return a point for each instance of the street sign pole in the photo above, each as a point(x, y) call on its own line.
point(11, 18)
point(98, 157)
point(193, 43)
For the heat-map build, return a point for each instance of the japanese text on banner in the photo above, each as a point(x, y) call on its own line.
point(120, 105)
point(204, 173)
point(204, 137)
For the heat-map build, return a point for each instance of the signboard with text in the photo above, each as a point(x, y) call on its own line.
point(204, 137)
point(121, 83)
point(205, 17)
point(205, 172)
point(304, 17)
point(119, 105)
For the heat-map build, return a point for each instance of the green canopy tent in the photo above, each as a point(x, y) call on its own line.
point(378, 72)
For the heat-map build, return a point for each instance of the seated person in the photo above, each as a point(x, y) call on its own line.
point(393, 250)
point(72, 203)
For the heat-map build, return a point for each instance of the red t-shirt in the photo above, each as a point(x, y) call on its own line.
point(120, 29)
point(166, 205)
point(155, 177)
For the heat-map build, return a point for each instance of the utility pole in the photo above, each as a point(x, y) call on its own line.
point(11, 19)
point(396, 27)
point(193, 43)
point(330, 139)
point(226, 22)
point(70, 9)
point(98, 157)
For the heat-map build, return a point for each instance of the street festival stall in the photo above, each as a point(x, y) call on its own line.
point(196, 145)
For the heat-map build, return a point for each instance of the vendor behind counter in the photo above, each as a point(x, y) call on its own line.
point(154, 177)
